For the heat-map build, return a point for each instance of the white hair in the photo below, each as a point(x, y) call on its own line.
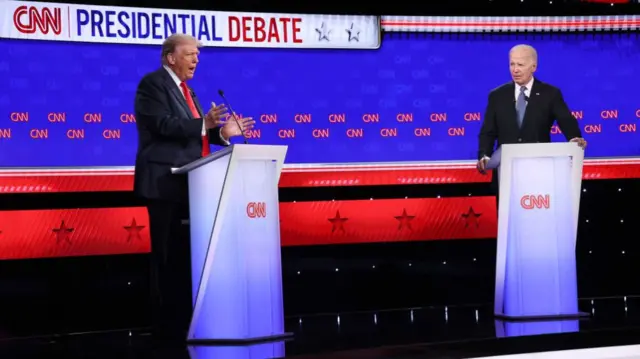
point(526, 48)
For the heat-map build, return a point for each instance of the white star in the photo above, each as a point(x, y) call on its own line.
point(354, 34)
point(323, 32)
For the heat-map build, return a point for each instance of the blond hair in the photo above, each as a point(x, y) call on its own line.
point(170, 43)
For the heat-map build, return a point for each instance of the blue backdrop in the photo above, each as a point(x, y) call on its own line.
point(417, 98)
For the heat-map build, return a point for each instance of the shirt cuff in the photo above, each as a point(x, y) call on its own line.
point(224, 141)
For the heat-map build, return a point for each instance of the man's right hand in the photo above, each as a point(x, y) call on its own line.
point(482, 165)
point(213, 118)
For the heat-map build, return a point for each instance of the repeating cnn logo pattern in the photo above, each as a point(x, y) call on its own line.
point(73, 133)
point(535, 201)
point(29, 19)
point(334, 124)
point(256, 210)
point(381, 115)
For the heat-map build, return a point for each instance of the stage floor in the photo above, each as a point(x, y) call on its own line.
point(619, 352)
point(434, 332)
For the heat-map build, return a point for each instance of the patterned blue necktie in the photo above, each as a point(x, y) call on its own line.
point(521, 106)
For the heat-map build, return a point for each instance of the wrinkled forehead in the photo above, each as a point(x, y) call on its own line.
point(521, 56)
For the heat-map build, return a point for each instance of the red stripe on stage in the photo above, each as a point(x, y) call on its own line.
point(42, 234)
point(381, 177)
point(107, 231)
point(387, 220)
point(14, 181)
point(64, 182)
point(604, 171)
point(73, 232)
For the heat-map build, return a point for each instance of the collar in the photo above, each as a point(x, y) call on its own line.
point(173, 75)
point(528, 85)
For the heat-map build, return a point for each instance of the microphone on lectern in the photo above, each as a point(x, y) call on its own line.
point(233, 114)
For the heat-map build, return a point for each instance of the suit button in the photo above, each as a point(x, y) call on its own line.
point(519, 139)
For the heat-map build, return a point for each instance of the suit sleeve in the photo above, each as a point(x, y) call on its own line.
point(153, 114)
point(489, 130)
point(566, 121)
point(215, 137)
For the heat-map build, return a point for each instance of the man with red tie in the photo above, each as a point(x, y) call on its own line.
point(173, 131)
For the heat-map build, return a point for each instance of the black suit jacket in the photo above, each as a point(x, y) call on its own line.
point(168, 136)
point(545, 106)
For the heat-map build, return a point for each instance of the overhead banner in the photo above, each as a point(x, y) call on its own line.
point(124, 25)
point(484, 24)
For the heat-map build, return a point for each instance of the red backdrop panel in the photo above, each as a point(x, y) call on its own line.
point(387, 220)
point(73, 232)
point(105, 231)
point(55, 183)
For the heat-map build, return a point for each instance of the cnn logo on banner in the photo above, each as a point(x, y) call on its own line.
point(29, 19)
point(256, 210)
point(535, 201)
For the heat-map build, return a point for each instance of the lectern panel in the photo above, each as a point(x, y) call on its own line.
point(255, 351)
point(203, 208)
point(240, 294)
point(540, 275)
point(520, 329)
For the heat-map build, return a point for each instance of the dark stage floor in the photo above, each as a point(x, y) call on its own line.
point(434, 332)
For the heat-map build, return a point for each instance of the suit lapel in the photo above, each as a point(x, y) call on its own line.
point(511, 100)
point(176, 92)
point(533, 98)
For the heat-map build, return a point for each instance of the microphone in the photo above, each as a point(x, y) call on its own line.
point(221, 93)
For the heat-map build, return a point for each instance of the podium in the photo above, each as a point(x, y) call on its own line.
point(235, 245)
point(539, 202)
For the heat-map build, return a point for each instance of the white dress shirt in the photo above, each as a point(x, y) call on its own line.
point(178, 82)
point(527, 91)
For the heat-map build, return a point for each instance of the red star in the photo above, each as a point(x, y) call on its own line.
point(63, 233)
point(405, 220)
point(471, 215)
point(338, 222)
point(133, 229)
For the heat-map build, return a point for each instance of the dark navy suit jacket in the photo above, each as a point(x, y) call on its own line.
point(545, 106)
point(168, 136)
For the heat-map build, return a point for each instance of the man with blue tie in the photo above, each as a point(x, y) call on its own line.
point(523, 111)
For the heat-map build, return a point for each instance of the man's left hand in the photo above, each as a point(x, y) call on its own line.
point(213, 118)
point(580, 141)
point(235, 127)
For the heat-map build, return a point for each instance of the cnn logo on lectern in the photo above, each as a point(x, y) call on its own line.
point(256, 210)
point(530, 201)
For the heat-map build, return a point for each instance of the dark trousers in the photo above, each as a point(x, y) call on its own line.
point(170, 269)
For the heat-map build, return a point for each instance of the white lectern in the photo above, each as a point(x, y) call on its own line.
point(537, 227)
point(235, 245)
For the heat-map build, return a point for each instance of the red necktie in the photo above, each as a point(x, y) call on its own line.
point(194, 112)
